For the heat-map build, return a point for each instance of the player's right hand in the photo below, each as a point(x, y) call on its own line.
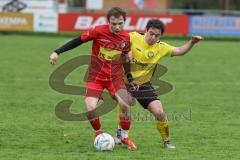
point(196, 39)
point(53, 58)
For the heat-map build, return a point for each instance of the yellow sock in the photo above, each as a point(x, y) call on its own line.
point(162, 128)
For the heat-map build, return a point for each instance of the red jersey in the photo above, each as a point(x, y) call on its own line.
point(107, 49)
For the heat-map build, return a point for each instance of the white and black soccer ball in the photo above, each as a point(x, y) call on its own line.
point(104, 142)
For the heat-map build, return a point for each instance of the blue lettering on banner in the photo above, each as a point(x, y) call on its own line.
point(215, 25)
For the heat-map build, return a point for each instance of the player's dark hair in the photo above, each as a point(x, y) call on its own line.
point(116, 12)
point(156, 23)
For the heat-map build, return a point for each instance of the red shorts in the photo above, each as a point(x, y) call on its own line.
point(95, 88)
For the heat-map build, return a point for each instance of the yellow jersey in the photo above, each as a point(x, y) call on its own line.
point(146, 57)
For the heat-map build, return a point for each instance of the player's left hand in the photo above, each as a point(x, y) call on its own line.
point(53, 58)
point(196, 39)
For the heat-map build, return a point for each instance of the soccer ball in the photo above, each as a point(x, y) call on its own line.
point(104, 142)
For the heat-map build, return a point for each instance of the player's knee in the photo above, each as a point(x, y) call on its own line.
point(125, 99)
point(124, 108)
point(161, 116)
point(91, 115)
point(89, 105)
point(124, 103)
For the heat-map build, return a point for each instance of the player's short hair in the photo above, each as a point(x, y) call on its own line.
point(116, 12)
point(156, 23)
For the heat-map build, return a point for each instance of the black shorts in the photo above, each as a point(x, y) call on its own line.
point(145, 95)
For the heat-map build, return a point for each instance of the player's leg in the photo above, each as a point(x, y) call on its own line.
point(91, 103)
point(118, 135)
point(155, 107)
point(125, 100)
point(118, 90)
point(149, 100)
point(93, 94)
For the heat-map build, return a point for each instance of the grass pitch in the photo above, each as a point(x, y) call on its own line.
point(203, 107)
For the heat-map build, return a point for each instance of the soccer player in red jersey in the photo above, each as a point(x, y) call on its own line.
point(111, 45)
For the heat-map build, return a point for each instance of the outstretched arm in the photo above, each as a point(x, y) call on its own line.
point(68, 46)
point(179, 51)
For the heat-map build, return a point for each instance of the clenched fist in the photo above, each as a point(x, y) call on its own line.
point(53, 58)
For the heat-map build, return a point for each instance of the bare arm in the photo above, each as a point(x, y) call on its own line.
point(179, 51)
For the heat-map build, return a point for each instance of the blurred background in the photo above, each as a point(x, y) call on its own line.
point(182, 17)
point(161, 6)
point(203, 107)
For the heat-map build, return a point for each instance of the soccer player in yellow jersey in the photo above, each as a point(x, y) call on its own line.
point(147, 50)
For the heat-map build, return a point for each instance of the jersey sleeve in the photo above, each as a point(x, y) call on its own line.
point(89, 34)
point(168, 49)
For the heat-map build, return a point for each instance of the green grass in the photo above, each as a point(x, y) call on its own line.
point(203, 107)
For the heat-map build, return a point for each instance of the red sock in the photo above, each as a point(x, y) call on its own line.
point(95, 124)
point(125, 123)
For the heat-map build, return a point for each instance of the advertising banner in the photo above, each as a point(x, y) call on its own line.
point(16, 22)
point(73, 22)
point(215, 25)
point(44, 22)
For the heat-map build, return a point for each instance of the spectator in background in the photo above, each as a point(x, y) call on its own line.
point(14, 6)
